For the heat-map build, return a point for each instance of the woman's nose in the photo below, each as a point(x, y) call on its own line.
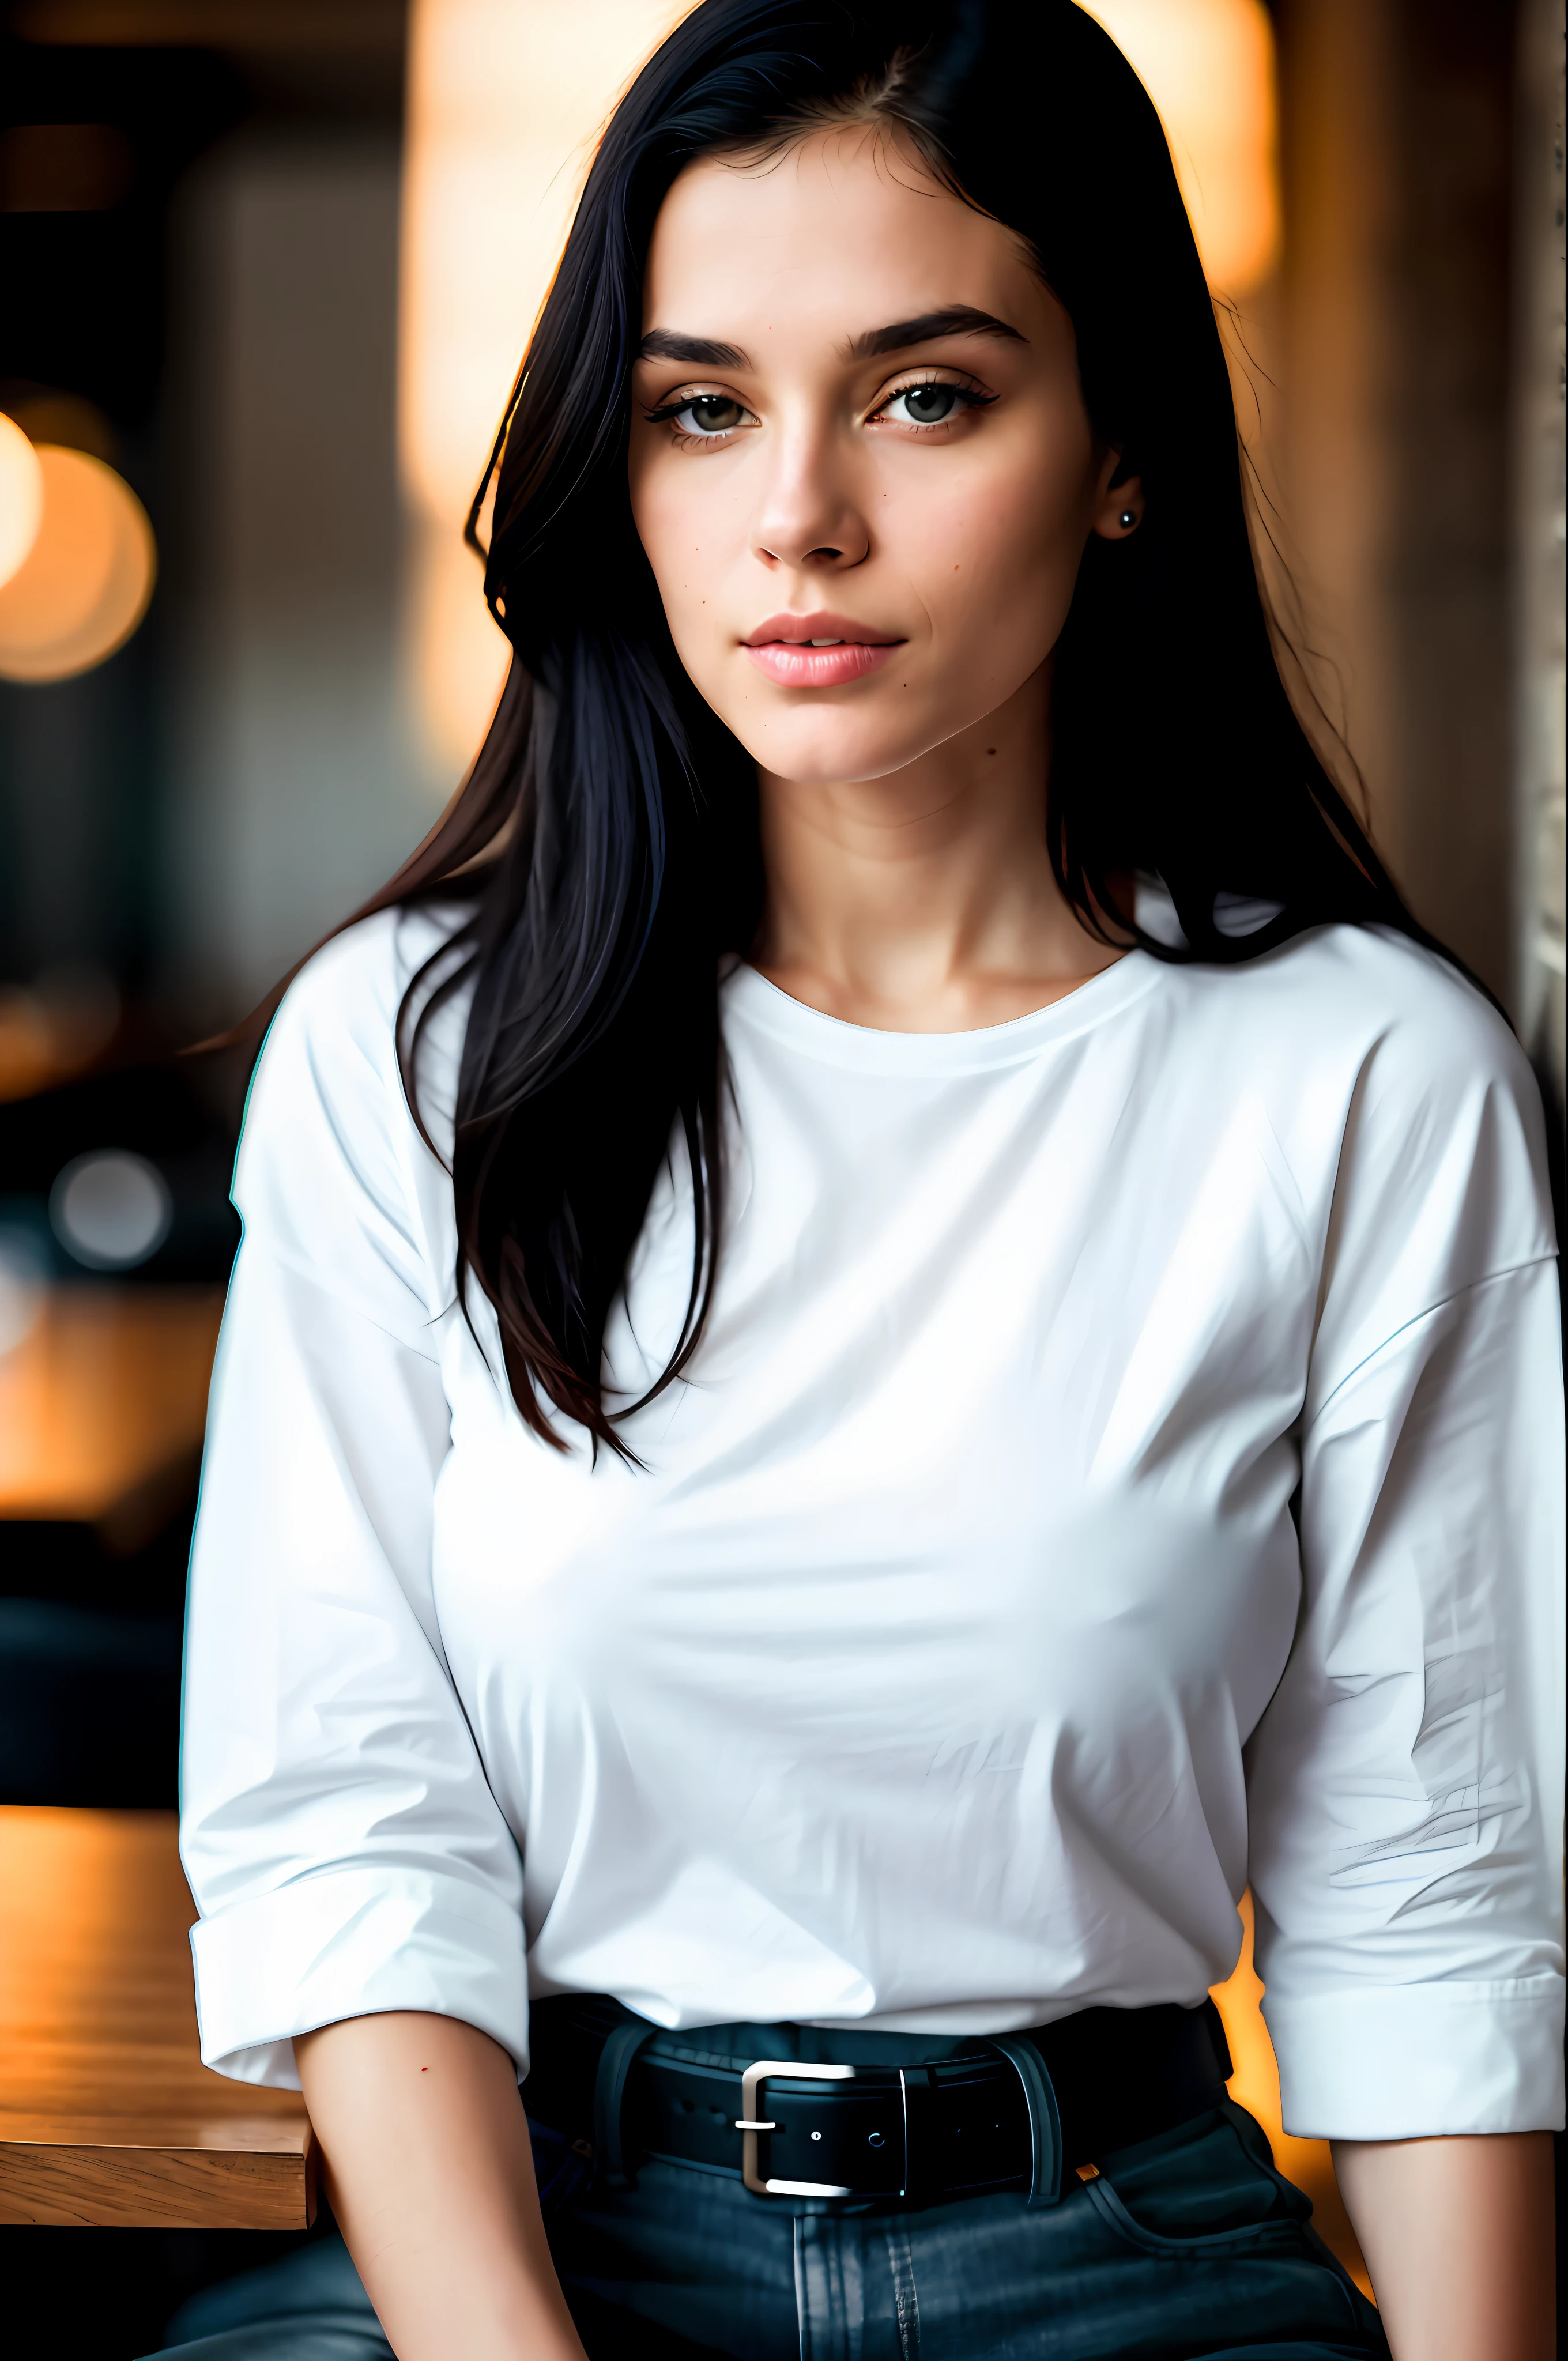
point(809, 515)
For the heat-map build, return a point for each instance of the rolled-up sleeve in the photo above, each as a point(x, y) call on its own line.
point(345, 1849)
point(1406, 1782)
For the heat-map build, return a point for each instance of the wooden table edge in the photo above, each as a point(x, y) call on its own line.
point(118, 2177)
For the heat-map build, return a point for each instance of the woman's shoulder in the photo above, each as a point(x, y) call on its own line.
point(1357, 999)
point(1394, 1077)
point(1390, 1082)
point(353, 986)
point(332, 1051)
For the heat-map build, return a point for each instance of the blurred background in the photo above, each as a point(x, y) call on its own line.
point(268, 267)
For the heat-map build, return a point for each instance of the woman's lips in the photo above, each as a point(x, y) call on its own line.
point(816, 651)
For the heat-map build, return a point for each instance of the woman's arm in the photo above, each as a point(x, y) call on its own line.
point(431, 2176)
point(1458, 2237)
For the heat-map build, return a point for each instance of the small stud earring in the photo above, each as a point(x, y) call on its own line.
point(1128, 520)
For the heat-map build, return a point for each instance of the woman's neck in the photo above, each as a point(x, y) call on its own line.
point(924, 901)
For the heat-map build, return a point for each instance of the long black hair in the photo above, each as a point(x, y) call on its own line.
point(607, 836)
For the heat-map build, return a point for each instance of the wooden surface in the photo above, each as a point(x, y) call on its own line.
point(106, 2113)
point(103, 1403)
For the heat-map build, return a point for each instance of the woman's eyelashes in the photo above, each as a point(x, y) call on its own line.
point(922, 407)
point(929, 403)
point(702, 417)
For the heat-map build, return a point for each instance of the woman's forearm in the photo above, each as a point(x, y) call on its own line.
point(431, 2176)
point(1458, 2237)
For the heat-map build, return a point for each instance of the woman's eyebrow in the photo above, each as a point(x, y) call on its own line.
point(698, 352)
point(957, 319)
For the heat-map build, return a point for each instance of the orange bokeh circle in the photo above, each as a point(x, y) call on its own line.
point(21, 496)
point(84, 585)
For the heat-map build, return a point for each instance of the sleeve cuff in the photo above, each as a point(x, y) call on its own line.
point(1420, 2061)
point(354, 1942)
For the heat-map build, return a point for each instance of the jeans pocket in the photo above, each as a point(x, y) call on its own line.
point(563, 2167)
point(1208, 2186)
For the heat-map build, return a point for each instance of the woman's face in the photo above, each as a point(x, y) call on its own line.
point(857, 422)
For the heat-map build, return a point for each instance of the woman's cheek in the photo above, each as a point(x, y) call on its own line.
point(996, 571)
point(688, 539)
point(669, 524)
point(1007, 509)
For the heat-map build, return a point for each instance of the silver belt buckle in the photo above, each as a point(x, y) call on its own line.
point(749, 2125)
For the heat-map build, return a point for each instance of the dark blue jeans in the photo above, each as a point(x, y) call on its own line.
point(1190, 2244)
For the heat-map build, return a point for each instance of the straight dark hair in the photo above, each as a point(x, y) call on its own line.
point(605, 846)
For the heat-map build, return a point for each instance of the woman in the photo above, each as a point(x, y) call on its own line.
point(893, 1326)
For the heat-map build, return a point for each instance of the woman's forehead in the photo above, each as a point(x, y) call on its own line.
point(840, 233)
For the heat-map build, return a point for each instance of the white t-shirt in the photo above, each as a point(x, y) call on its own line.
point(1122, 1460)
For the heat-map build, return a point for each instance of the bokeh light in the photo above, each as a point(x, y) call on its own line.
point(21, 496)
point(1209, 66)
point(84, 585)
point(55, 1026)
point(111, 1210)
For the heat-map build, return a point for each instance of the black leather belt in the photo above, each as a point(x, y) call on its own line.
point(1008, 2112)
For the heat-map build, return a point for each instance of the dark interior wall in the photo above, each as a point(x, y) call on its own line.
point(1395, 133)
point(1447, 430)
point(1540, 749)
point(292, 777)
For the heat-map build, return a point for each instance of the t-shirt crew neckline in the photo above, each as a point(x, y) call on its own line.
point(748, 995)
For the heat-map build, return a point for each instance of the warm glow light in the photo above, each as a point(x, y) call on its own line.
point(506, 101)
point(105, 1393)
point(1255, 2085)
point(1209, 67)
point(21, 496)
point(55, 1029)
point(84, 585)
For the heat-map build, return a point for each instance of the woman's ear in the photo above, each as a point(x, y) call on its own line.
point(1121, 505)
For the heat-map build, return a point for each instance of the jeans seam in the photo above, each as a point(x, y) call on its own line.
point(907, 2302)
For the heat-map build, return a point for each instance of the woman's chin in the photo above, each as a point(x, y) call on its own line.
point(825, 750)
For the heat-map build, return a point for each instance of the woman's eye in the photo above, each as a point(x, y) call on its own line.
point(928, 405)
point(708, 414)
